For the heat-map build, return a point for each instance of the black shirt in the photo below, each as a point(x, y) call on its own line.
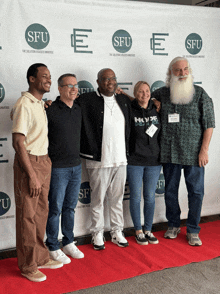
point(64, 128)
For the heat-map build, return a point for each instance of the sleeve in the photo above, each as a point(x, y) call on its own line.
point(21, 119)
point(208, 116)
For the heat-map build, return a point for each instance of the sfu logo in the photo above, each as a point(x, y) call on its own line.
point(84, 193)
point(85, 87)
point(122, 41)
point(5, 203)
point(193, 43)
point(0, 45)
point(160, 185)
point(156, 85)
point(2, 93)
point(37, 36)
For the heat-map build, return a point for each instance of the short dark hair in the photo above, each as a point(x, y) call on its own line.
point(33, 70)
point(60, 80)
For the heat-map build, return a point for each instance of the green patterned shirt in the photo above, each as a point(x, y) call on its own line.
point(181, 141)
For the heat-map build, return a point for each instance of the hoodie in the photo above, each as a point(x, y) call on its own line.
point(144, 150)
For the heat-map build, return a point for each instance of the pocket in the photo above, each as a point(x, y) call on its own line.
point(21, 187)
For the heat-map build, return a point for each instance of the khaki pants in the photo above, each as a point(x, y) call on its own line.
point(31, 214)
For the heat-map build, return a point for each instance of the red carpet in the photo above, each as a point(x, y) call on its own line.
point(114, 263)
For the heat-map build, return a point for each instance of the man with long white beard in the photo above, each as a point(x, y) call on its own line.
point(187, 118)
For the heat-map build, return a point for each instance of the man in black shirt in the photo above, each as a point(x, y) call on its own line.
point(64, 125)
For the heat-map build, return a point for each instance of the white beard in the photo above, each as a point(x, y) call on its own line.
point(181, 91)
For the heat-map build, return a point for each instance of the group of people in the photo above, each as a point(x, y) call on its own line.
point(120, 137)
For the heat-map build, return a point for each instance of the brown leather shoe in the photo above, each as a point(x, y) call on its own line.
point(36, 276)
point(52, 264)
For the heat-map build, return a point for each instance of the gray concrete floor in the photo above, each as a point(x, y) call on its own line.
point(195, 278)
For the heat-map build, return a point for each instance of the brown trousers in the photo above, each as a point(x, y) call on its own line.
point(31, 214)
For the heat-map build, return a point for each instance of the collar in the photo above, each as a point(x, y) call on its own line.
point(136, 105)
point(32, 98)
point(61, 103)
point(100, 95)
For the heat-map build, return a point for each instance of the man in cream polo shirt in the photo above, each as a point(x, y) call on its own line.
point(32, 171)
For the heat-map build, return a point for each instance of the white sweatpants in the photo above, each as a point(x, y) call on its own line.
point(110, 182)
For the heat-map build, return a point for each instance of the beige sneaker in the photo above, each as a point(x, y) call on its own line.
point(35, 276)
point(52, 264)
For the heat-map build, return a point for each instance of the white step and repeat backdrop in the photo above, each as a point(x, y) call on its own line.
point(137, 40)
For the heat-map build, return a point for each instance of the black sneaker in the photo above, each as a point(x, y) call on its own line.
point(141, 240)
point(151, 238)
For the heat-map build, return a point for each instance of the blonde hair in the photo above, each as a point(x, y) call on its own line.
point(137, 86)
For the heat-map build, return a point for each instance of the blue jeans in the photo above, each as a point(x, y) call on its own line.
point(149, 175)
point(194, 179)
point(63, 196)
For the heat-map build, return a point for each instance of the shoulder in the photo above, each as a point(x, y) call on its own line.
point(87, 98)
point(23, 103)
point(199, 90)
point(88, 95)
point(123, 98)
point(201, 94)
point(134, 103)
point(160, 93)
point(52, 108)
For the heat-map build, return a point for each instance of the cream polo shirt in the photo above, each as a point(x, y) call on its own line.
point(30, 119)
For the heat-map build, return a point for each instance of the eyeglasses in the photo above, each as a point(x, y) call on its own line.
point(114, 79)
point(70, 86)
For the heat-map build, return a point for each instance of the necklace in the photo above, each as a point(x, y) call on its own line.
point(111, 108)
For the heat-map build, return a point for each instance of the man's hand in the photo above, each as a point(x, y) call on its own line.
point(157, 104)
point(203, 154)
point(119, 91)
point(34, 183)
point(203, 158)
point(35, 187)
point(47, 103)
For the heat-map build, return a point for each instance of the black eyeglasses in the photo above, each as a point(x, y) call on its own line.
point(114, 79)
point(70, 86)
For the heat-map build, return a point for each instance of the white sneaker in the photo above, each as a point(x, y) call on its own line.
point(119, 239)
point(98, 241)
point(60, 256)
point(73, 251)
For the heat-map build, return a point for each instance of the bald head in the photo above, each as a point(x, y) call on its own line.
point(107, 81)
